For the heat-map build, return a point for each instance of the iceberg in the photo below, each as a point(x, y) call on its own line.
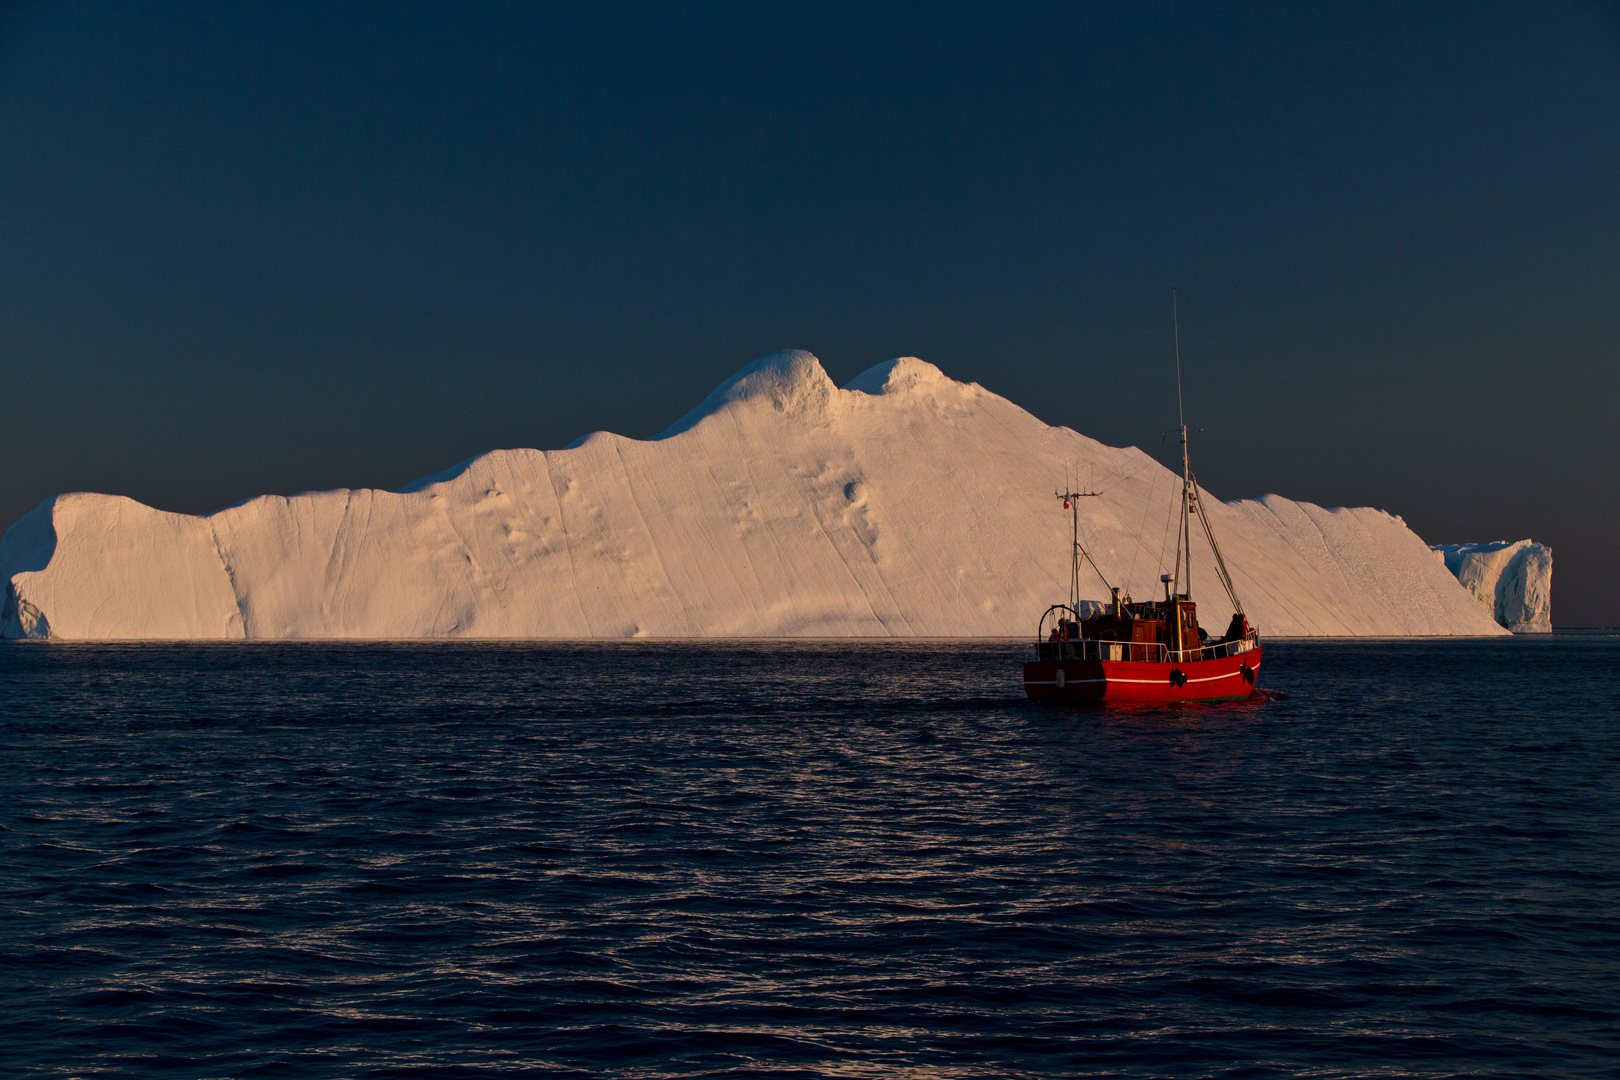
point(902, 504)
point(1510, 579)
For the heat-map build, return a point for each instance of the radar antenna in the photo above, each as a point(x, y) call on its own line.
point(1071, 502)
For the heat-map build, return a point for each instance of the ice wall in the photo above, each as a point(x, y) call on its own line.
point(904, 504)
point(1511, 579)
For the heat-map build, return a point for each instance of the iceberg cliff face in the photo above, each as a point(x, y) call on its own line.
point(905, 504)
point(1511, 579)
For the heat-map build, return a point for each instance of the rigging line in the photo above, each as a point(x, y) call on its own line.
point(1116, 476)
point(1164, 544)
point(1085, 550)
point(1147, 508)
point(1176, 584)
point(1085, 542)
point(1147, 505)
point(1220, 563)
point(1215, 548)
point(1097, 568)
point(1115, 481)
point(1185, 539)
point(1130, 575)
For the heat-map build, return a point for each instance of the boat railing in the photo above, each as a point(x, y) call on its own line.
point(1140, 651)
point(1216, 650)
point(1100, 649)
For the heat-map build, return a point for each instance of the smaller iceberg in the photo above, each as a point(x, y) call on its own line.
point(1511, 579)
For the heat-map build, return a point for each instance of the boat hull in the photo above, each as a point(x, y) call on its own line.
point(1222, 678)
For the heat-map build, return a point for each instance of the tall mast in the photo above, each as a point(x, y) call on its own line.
point(1074, 569)
point(1191, 502)
point(1184, 540)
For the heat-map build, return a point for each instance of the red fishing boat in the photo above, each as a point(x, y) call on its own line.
point(1144, 652)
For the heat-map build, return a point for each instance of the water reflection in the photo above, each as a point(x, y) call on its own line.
point(680, 859)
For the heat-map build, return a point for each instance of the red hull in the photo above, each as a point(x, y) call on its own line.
point(1220, 679)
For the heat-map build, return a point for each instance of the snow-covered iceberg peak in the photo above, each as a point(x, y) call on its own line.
point(1511, 579)
point(792, 382)
point(897, 376)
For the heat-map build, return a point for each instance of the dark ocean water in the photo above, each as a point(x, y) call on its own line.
point(797, 860)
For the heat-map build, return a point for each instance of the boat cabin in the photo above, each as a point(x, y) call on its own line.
point(1173, 624)
point(1158, 630)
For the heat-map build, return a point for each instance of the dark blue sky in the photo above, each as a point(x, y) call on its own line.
point(271, 248)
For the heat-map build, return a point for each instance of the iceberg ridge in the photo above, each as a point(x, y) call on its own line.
point(904, 504)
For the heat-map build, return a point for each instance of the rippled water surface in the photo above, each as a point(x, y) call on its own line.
point(796, 860)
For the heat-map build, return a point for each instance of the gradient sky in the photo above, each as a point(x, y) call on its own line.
point(271, 248)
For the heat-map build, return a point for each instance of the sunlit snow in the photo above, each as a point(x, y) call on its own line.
point(905, 504)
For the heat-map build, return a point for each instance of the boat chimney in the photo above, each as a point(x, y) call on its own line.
point(1118, 613)
point(1166, 579)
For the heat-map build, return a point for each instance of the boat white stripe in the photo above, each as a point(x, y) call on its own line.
point(1117, 679)
point(1066, 682)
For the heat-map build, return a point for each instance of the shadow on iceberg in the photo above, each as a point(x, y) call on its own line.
point(28, 547)
point(792, 380)
point(439, 477)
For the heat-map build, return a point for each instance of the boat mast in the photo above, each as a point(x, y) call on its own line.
point(1191, 502)
point(1074, 560)
point(1071, 502)
point(1184, 538)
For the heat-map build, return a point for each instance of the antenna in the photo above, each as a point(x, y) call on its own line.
point(1071, 502)
point(1175, 325)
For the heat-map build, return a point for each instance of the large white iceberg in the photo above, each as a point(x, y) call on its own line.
point(1510, 579)
point(905, 504)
